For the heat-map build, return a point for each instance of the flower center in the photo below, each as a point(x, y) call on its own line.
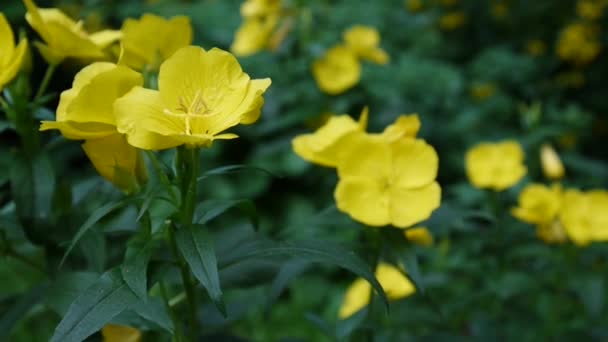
point(188, 110)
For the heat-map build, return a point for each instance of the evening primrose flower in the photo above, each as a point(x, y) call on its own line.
point(406, 126)
point(585, 216)
point(322, 146)
point(383, 182)
point(257, 8)
point(365, 41)
point(540, 205)
point(496, 166)
point(590, 9)
point(337, 71)
point(551, 164)
point(453, 20)
point(358, 295)
point(201, 94)
point(149, 41)
point(120, 333)
point(419, 235)
point(11, 57)
point(578, 43)
point(64, 37)
point(253, 35)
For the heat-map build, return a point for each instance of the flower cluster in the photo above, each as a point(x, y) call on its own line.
point(339, 69)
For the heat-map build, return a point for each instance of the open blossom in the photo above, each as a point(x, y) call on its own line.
point(540, 205)
point(365, 41)
point(358, 295)
point(201, 94)
point(63, 37)
point(585, 216)
point(337, 71)
point(11, 56)
point(496, 166)
point(578, 43)
point(150, 40)
point(253, 35)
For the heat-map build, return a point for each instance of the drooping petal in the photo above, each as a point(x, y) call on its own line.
point(414, 163)
point(356, 298)
point(364, 199)
point(394, 283)
point(410, 206)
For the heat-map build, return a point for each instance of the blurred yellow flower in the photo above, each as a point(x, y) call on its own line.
point(117, 161)
point(11, 57)
point(86, 110)
point(201, 94)
point(149, 41)
point(536, 47)
point(394, 283)
point(453, 20)
point(414, 5)
point(321, 147)
point(365, 41)
point(482, 91)
point(419, 235)
point(590, 9)
point(551, 163)
point(64, 37)
point(585, 216)
point(253, 35)
point(120, 333)
point(578, 43)
point(382, 182)
point(337, 71)
point(540, 205)
point(257, 8)
point(406, 126)
point(496, 166)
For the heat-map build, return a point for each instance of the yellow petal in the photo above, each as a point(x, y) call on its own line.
point(415, 163)
point(11, 58)
point(495, 166)
point(105, 38)
point(356, 298)
point(410, 206)
point(139, 115)
point(551, 164)
point(394, 283)
point(575, 217)
point(361, 38)
point(406, 126)
point(253, 35)
point(366, 156)
point(7, 41)
point(337, 71)
point(364, 199)
point(419, 235)
point(115, 160)
point(120, 333)
point(538, 204)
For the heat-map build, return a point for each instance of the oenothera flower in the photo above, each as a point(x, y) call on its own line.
point(393, 282)
point(365, 41)
point(585, 216)
point(384, 182)
point(65, 37)
point(578, 43)
point(86, 112)
point(257, 8)
point(11, 57)
point(149, 41)
point(419, 236)
point(406, 126)
point(337, 71)
point(551, 164)
point(496, 166)
point(201, 94)
point(253, 35)
point(453, 20)
point(540, 205)
point(321, 147)
point(120, 333)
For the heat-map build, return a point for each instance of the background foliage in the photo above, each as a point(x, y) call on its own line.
point(477, 82)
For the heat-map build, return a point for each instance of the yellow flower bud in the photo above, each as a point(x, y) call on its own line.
point(550, 162)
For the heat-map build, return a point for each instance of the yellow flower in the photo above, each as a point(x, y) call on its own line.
point(365, 41)
point(149, 41)
point(358, 295)
point(496, 166)
point(253, 35)
point(414, 5)
point(117, 161)
point(321, 147)
point(201, 94)
point(64, 37)
point(419, 235)
point(536, 47)
point(120, 333)
point(384, 182)
point(578, 43)
point(585, 216)
point(590, 9)
point(452, 20)
point(257, 8)
point(406, 126)
point(552, 232)
point(337, 71)
point(550, 162)
point(482, 91)
point(11, 57)
point(538, 204)
point(86, 110)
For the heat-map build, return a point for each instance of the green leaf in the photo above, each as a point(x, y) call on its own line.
point(215, 208)
point(134, 269)
point(413, 271)
point(19, 309)
point(66, 288)
point(195, 244)
point(288, 271)
point(97, 215)
point(233, 169)
point(95, 307)
point(313, 251)
point(155, 311)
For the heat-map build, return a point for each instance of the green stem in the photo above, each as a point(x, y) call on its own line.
point(45, 80)
point(165, 295)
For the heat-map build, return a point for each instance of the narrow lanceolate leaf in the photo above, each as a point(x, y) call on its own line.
point(135, 267)
point(19, 309)
point(232, 169)
point(94, 308)
point(97, 215)
point(214, 208)
point(313, 251)
point(195, 244)
point(153, 310)
point(412, 270)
